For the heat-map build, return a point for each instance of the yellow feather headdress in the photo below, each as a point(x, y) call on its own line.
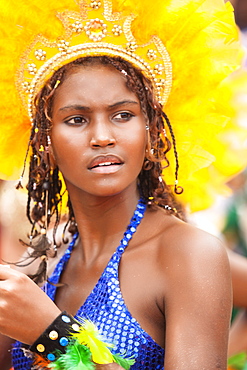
point(187, 48)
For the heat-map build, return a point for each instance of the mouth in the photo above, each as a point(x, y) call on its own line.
point(104, 164)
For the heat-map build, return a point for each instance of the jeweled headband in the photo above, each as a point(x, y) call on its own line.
point(95, 30)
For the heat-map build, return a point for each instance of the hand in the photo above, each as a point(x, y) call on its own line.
point(25, 310)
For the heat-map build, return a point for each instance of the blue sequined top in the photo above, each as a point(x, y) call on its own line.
point(105, 306)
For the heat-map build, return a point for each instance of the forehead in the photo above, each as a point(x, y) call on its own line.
point(96, 83)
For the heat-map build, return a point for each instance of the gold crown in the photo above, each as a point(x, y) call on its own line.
point(94, 30)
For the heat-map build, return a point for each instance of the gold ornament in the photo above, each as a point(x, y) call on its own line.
point(95, 30)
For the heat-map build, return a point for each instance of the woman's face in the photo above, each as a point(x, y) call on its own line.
point(98, 134)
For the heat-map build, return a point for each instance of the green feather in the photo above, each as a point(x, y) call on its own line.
point(124, 362)
point(238, 361)
point(77, 357)
point(90, 336)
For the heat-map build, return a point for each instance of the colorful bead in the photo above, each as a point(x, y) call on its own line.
point(116, 30)
point(159, 69)
point(77, 27)
point(152, 54)
point(95, 4)
point(40, 348)
point(63, 341)
point(26, 86)
point(53, 335)
point(32, 69)
point(51, 357)
point(63, 46)
point(96, 29)
point(160, 84)
point(75, 327)
point(40, 54)
point(65, 318)
point(131, 46)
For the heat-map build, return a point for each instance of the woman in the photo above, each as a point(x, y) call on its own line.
point(98, 120)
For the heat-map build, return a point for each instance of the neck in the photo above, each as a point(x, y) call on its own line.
point(102, 221)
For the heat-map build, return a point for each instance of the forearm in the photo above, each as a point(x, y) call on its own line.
point(238, 266)
point(238, 334)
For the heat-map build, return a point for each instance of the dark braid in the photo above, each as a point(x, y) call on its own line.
point(178, 189)
point(45, 184)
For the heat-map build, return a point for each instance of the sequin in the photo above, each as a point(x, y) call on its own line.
point(110, 315)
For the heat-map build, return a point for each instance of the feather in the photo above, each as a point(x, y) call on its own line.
point(123, 361)
point(89, 336)
point(77, 357)
point(203, 43)
point(40, 362)
point(237, 362)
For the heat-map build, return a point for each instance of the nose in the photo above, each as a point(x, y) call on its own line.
point(102, 136)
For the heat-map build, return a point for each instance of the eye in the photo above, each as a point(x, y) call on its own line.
point(75, 121)
point(123, 116)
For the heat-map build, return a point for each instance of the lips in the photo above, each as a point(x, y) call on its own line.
point(105, 161)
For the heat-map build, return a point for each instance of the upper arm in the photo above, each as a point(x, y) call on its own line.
point(197, 303)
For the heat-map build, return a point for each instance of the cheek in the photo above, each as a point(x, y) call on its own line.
point(63, 146)
point(137, 144)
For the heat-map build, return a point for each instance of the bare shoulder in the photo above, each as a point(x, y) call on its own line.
point(186, 241)
point(182, 250)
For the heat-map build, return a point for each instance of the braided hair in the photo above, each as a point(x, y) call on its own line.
point(45, 190)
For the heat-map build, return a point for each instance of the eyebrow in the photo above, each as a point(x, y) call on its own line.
point(84, 108)
point(75, 107)
point(123, 102)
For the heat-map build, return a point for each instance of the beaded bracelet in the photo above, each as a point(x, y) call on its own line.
point(56, 337)
point(68, 343)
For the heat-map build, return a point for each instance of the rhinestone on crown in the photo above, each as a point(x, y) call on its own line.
point(93, 30)
point(96, 29)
